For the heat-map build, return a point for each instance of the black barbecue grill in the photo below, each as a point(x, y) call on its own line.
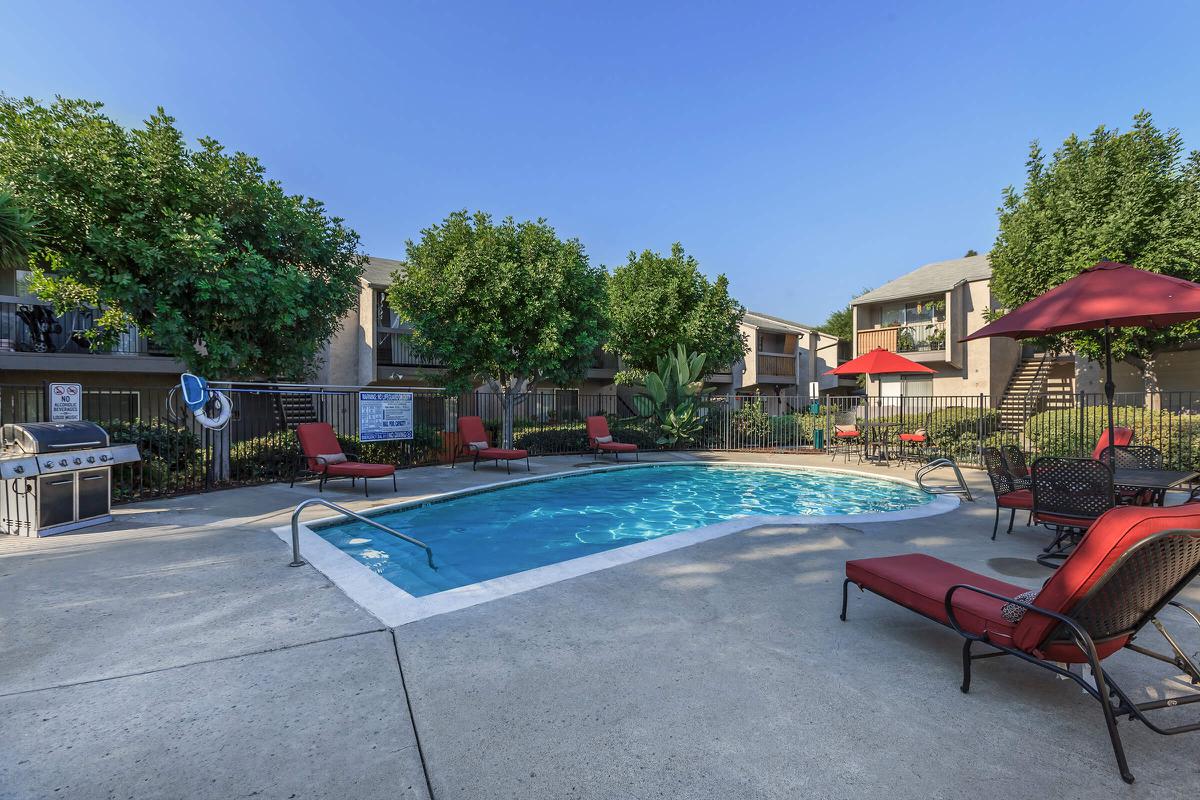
point(57, 476)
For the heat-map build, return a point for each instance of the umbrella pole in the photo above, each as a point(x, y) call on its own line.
point(1110, 389)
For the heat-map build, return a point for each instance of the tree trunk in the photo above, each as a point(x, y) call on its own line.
point(511, 392)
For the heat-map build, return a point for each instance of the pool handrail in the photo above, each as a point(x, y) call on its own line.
point(320, 501)
point(937, 464)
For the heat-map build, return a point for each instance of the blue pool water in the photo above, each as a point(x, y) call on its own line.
point(482, 536)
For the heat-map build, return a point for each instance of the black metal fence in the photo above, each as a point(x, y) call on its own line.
point(259, 445)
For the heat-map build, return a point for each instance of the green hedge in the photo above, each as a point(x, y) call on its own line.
point(568, 437)
point(171, 444)
point(1073, 433)
point(273, 457)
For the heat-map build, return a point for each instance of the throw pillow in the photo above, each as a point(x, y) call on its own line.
point(1015, 613)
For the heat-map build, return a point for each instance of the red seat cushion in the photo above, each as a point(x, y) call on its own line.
point(358, 470)
point(912, 437)
point(1043, 517)
point(501, 453)
point(846, 434)
point(1021, 498)
point(920, 582)
point(617, 447)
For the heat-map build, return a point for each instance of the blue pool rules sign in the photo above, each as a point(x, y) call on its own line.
point(385, 416)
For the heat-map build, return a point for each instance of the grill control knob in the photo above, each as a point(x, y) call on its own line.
point(62, 462)
point(49, 465)
point(18, 469)
point(78, 460)
point(91, 459)
point(103, 457)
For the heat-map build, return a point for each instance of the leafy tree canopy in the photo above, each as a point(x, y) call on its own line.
point(195, 247)
point(658, 303)
point(507, 303)
point(1128, 196)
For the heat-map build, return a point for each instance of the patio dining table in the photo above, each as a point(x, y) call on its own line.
point(877, 439)
point(1153, 478)
point(1157, 480)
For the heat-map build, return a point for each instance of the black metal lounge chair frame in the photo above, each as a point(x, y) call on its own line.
point(302, 472)
point(1085, 630)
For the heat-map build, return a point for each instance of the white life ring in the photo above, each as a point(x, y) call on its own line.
point(224, 412)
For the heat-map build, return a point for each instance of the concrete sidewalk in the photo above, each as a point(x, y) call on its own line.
point(176, 655)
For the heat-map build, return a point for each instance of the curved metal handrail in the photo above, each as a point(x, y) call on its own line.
point(937, 464)
point(319, 501)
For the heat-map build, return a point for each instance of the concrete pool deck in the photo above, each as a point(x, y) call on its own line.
point(174, 654)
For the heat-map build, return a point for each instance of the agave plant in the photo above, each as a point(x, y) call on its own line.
point(673, 396)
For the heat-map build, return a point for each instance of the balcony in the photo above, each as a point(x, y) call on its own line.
point(776, 366)
point(394, 349)
point(604, 365)
point(918, 337)
point(32, 336)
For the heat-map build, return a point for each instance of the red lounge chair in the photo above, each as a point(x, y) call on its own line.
point(1121, 438)
point(323, 456)
point(1131, 564)
point(473, 438)
point(597, 429)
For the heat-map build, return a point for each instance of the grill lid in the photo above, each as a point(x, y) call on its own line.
point(51, 437)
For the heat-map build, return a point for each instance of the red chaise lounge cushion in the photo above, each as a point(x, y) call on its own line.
point(617, 447)
point(318, 438)
point(920, 582)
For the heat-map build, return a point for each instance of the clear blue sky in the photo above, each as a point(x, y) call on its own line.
point(805, 151)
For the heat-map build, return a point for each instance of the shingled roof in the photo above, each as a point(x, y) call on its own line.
point(940, 276)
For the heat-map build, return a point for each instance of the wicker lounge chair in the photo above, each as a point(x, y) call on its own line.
point(1126, 570)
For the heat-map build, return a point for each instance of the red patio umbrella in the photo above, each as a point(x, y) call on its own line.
point(1108, 295)
point(880, 361)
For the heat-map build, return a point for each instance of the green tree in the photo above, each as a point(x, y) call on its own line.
point(1128, 196)
point(195, 247)
point(840, 323)
point(16, 233)
point(509, 304)
point(657, 303)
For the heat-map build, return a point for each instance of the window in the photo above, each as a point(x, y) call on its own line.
point(385, 318)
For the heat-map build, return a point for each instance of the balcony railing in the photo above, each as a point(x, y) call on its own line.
point(31, 327)
point(917, 337)
point(395, 350)
point(777, 366)
point(874, 338)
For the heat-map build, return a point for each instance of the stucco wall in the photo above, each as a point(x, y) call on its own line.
point(1177, 372)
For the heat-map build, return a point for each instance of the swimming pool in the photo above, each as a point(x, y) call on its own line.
point(487, 535)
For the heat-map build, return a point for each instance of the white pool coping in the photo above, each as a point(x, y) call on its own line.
point(394, 607)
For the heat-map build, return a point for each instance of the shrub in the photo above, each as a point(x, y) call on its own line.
point(171, 444)
point(274, 457)
point(572, 437)
point(1073, 433)
point(751, 423)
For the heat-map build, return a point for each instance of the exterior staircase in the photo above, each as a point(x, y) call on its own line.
point(1031, 390)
